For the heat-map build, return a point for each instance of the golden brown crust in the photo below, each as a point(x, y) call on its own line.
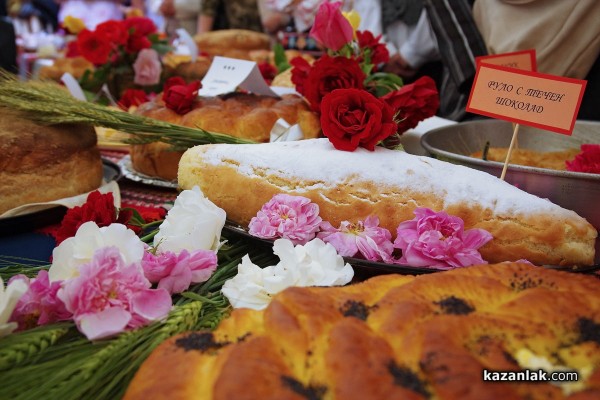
point(540, 159)
point(538, 237)
point(75, 66)
point(156, 159)
point(182, 66)
point(393, 336)
point(233, 43)
point(238, 114)
point(44, 163)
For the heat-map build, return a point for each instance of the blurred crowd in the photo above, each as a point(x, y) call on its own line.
point(439, 38)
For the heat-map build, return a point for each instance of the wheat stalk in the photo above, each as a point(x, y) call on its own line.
point(47, 103)
point(22, 347)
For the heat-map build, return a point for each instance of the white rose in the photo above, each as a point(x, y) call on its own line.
point(246, 289)
point(8, 301)
point(194, 223)
point(79, 249)
point(314, 264)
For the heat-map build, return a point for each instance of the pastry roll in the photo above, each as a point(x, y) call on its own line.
point(389, 184)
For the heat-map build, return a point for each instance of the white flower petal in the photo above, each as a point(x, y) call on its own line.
point(79, 249)
point(8, 300)
point(314, 264)
point(194, 223)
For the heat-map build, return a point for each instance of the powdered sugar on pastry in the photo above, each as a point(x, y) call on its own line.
point(453, 183)
point(350, 186)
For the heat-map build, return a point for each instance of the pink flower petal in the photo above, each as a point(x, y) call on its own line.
point(103, 324)
point(151, 305)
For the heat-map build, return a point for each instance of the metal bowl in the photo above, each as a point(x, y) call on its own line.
point(575, 191)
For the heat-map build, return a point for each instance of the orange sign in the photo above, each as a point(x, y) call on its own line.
point(529, 98)
point(519, 59)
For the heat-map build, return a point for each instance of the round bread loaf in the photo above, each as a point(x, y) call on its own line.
point(233, 43)
point(43, 163)
point(394, 337)
point(182, 66)
point(75, 66)
point(238, 114)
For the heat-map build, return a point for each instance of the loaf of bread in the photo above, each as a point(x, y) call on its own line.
point(238, 114)
point(394, 337)
point(75, 66)
point(182, 66)
point(44, 163)
point(389, 184)
point(233, 43)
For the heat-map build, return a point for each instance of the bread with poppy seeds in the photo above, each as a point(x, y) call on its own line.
point(351, 186)
point(393, 337)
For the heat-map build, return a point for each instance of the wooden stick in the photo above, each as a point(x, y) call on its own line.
point(510, 147)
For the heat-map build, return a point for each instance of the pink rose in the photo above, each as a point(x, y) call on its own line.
point(109, 296)
point(364, 238)
point(291, 217)
point(438, 240)
point(147, 68)
point(331, 29)
point(175, 273)
point(39, 305)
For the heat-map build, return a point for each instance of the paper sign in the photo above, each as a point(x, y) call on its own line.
point(530, 98)
point(73, 86)
point(519, 59)
point(189, 42)
point(225, 75)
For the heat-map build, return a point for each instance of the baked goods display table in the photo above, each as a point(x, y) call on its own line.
point(228, 259)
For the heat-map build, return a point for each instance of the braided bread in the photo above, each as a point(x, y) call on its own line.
point(389, 184)
point(392, 337)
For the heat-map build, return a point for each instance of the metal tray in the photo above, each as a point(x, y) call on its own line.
point(575, 191)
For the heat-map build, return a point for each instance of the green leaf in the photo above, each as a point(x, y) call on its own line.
point(136, 218)
point(281, 61)
point(161, 48)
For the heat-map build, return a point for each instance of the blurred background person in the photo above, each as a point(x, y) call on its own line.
point(277, 15)
point(8, 41)
point(91, 12)
point(229, 14)
point(180, 14)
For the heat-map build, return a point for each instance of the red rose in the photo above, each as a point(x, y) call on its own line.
point(586, 161)
point(98, 207)
point(140, 26)
point(414, 102)
point(300, 70)
point(330, 73)
point(114, 31)
point(135, 43)
point(72, 49)
point(267, 71)
point(94, 46)
point(172, 81)
point(353, 117)
point(367, 42)
point(132, 97)
point(180, 98)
